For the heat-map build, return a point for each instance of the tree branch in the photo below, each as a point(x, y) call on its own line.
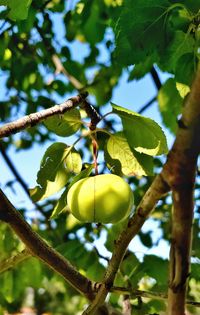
point(35, 118)
point(143, 108)
point(57, 62)
point(13, 169)
point(186, 147)
point(180, 173)
point(39, 248)
point(147, 204)
point(11, 262)
point(91, 112)
point(147, 294)
point(60, 68)
point(156, 78)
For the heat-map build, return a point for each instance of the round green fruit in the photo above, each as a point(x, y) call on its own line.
point(103, 198)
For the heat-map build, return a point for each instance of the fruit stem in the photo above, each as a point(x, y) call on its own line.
point(95, 154)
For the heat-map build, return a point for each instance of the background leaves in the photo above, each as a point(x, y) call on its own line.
point(96, 43)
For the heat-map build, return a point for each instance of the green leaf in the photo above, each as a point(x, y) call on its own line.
point(131, 162)
point(146, 239)
point(143, 134)
point(129, 265)
point(170, 104)
point(61, 205)
point(84, 173)
point(193, 5)
point(57, 165)
point(138, 21)
point(156, 268)
point(73, 162)
point(31, 273)
point(185, 69)
point(93, 22)
point(95, 271)
point(180, 45)
point(64, 125)
point(141, 69)
point(7, 286)
point(113, 234)
point(104, 81)
point(18, 8)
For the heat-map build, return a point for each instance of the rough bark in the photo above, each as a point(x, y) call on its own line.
point(177, 175)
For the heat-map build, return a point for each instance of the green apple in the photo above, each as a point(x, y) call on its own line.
point(103, 198)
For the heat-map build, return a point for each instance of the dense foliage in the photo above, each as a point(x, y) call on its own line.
point(40, 62)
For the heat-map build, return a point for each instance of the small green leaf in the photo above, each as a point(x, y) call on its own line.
point(129, 265)
point(61, 205)
point(85, 173)
point(143, 134)
point(180, 45)
point(170, 104)
point(7, 286)
point(18, 8)
point(57, 165)
point(131, 162)
point(185, 69)
point(64, 125)
point(73, 162)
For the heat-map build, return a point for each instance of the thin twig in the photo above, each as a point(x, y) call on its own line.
point(35, 118)
point(21, 181)
point(12, 262)
point(13, 169)
point(143, 108)
point(147, 294)
point(57, 61)
point(156, 78)
point(99, 255)
point(60, 68)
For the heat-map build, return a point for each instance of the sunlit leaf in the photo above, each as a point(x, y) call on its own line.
point(143, 134)
point(131, 162)
point(18, 8)
point(64, 125)
point(58, 164)
point(61, 205)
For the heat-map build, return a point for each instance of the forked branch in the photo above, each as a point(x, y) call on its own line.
point(35, 118)
point(183, 154)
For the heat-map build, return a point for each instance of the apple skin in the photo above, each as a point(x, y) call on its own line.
point(105, 198)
